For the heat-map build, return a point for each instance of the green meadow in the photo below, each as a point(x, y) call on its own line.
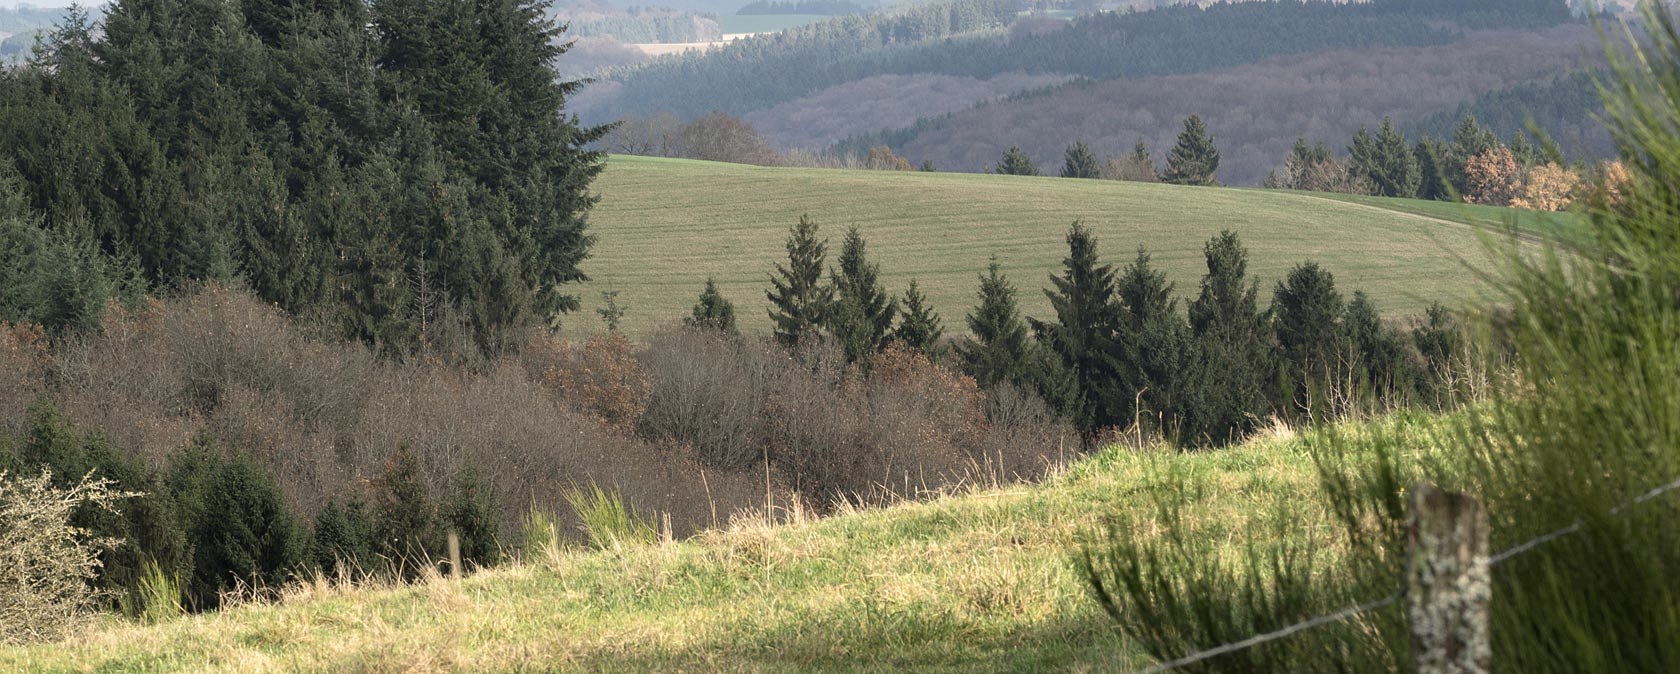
point(664, 225)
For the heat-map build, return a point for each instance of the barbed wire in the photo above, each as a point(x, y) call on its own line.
point(1392, 597)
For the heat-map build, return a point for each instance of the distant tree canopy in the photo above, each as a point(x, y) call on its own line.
point(823, 7)
point(929, 38)
point(431, 175)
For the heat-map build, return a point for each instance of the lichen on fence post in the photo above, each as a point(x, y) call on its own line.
point(1447, 582)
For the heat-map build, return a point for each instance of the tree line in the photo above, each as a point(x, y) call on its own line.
point(1119, 351)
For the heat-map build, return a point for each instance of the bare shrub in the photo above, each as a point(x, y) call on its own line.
point(23, 367)
point(720, 137)
point(833, 432)
point(47, 564)
point(599, 377)
point(322, 416)
point(1493, 177)
point(708, 390)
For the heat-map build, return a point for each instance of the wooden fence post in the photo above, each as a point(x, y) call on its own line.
point(454, 554)
point(1447, 582)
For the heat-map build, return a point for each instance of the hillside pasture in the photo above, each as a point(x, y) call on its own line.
point(663, 226)
point(980, 581)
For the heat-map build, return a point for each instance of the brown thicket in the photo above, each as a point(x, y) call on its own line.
point(687, 424)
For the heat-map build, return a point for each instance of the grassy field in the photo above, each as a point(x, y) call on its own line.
point(981, 581)
point(765, 23)
point(665, 225)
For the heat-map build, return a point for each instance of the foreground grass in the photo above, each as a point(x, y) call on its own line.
point(664, 225)
point(981, 581)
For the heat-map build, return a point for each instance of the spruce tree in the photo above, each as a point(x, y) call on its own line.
point(1385, 161)
point(1150, 350)
point(918, 326)
point(1469, 139)
point(863, 313)
point(1230, 357)
point(1016, 163)
point(800, 302)
point(1521, 149)
point(1082, 336)
point(713, 311)
point(1080, 163)
point(1434, 182)
point(237, 524)
point(1141, 156)
point(1195, 159)
point(996, 351)
point(1307, 314)
point(1375, 351)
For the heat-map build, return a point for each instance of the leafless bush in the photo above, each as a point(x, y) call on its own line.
point(720, 137)
point(23, 367)
point(833, 432)
point(46, 564)
point(322, 416)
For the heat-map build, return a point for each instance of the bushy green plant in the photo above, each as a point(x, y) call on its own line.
point(241, 533)
point(606, 520)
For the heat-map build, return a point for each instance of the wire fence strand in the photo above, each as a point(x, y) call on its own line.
point(1392, 597)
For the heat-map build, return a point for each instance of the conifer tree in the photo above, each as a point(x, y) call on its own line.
point(863, 313)
point(1385, 161)
point(1307, 313)
point(1469, 140)
point(1521, 149)
point(918, 326)
point(1230, 358)
point(997, 350)
point(1152, 343)
point(713, 311)
point(1016, 163)
point(800, 302)
point(1082, 336)
point(1434, 182)
point(1376, 352)
point(1195, 159)
point(404, 516)
point(1141, 156)
point(1080, 163)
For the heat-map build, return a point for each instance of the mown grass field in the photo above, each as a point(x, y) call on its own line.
point(664, 225)
point(981, 581)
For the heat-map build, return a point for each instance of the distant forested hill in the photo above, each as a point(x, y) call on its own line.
point(1256, 112)
point(976, 38)
point(1567, 108)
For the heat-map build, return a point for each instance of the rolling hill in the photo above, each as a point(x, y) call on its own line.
point(664, 225)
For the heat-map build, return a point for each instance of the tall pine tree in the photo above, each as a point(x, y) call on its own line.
point(800, 302)
point(863, 313)
point(1082, 336)
point(1080, 163)
point(1195, 159)
point(918, 326)
point(996, 351)
point(1231, 354)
